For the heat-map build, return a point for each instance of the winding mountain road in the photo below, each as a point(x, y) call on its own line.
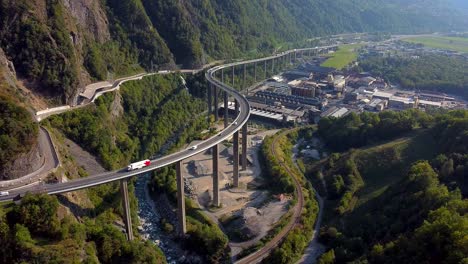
point(238, 123)
point(83, 183)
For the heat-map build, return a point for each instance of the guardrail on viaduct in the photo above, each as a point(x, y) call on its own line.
point(242, 113)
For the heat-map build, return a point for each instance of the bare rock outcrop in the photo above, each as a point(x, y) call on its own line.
point(23, 165)
point(90, 16)
point(7, 68)
point(116, 108)
point(88, 23)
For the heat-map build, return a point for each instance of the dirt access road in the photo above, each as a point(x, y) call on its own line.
point(293, 222)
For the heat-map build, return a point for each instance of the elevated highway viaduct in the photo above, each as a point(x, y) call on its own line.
point(217, 84)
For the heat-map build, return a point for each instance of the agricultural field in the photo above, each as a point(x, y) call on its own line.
point(447, 43)
point(345, 55)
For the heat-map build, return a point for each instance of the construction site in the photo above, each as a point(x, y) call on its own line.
point(246, 213)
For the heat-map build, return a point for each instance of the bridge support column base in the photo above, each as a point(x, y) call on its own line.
point(226, 109)
point(126, 208)
point(210, 89)
point(233, 76)
point(216, 198)
point(255, 72)
point(181, 225)
point(236, 160)
point(216, 103)
point(244, 147)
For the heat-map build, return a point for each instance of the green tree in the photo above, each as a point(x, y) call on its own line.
point(38, 213)
point(327, 258)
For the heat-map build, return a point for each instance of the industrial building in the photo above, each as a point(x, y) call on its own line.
point(271, 97)
point(308, 92)
point(401, 102)
point(382, 95)
point(292, 75)
point(336, 112)
point(429, 104)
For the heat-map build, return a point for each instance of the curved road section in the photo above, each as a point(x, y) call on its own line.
point(241, 119)
point(107, 177)
point(99, 179)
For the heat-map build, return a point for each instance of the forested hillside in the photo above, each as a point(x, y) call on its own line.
point(401, 200)
point(60, 46)
point(142, 119)
point(18, 132)
point(36, 231)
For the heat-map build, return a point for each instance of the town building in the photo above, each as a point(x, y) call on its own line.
point(296, 74)
point(382, 95)
point(402, 102)
point(429, 104)
point(308, 92)
point(339, 83)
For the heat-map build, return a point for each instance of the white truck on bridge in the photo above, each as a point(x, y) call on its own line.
point(139, 165)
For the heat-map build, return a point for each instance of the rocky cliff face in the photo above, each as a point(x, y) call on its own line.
point(24, 164)
point(87, 24)
point(59, 46)
point(17, 157)
point(90, 18)
point(49, 41)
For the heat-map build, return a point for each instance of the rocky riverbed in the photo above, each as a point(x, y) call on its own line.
point(150, 218)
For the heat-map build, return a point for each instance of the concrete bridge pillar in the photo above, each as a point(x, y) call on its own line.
point(181, 225)
point(255, 72)
point(210, 101)
point(236, 152)
point(216, 198)
point(244, 147)
point(266, 74)
point(295, 56)
point(233, 75)
point(222, 75)
point(245, 77)
point(226, 109)
point(126, 208)
point(216, 103)
point(273, 66)
point(290, 58)
point(236, 159)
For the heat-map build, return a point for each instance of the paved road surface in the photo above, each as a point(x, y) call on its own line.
point(107, 177)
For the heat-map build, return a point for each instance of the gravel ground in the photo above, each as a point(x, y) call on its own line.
point(84, 158)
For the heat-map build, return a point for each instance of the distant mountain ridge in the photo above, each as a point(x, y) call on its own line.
point(61, 45)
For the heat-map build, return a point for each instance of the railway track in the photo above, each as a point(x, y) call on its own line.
point(295, 219)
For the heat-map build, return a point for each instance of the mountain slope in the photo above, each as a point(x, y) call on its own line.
point(398, 201)
point(59, 46)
